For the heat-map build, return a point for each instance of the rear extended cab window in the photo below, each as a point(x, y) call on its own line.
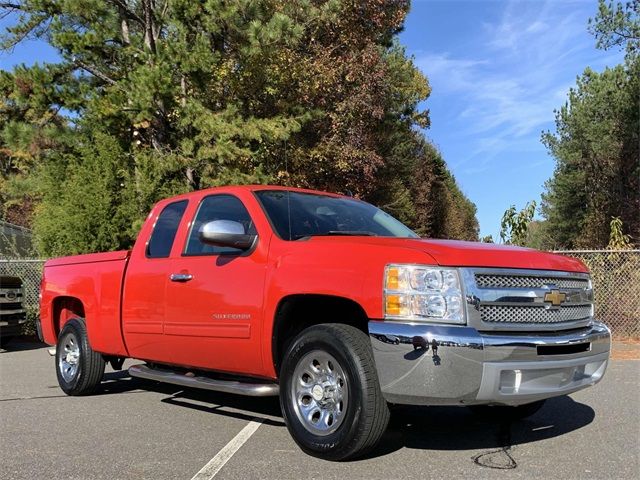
point(165, 229)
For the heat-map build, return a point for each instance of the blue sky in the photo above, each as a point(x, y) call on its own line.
point(498, 69)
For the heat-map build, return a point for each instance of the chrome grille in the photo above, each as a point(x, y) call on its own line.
point(527, 281)
point(503, 299)
point(502, 313)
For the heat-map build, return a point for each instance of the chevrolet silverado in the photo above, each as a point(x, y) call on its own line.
point(330, 303)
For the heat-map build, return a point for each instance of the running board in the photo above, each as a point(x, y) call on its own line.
point(227, 386)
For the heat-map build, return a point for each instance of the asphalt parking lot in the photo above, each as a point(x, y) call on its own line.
point(137, 429)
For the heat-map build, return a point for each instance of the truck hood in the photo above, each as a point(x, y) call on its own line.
point(470, 254)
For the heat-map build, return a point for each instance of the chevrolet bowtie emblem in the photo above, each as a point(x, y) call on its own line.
point(555, 297)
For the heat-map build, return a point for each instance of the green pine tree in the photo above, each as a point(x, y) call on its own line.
point(182, 95)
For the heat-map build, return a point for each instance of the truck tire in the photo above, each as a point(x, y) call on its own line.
point(329, 393)
point(503, 412)
point(78, 367)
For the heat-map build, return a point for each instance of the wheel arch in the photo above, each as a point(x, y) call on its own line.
point(64, 308)
point(296, 312)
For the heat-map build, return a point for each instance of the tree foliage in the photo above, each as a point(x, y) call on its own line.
point(617, 239)
point(157, 97)
point(597, 143)
point(616, 25)
point(515, 225)
point(88, 187)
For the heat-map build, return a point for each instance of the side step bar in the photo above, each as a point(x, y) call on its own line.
point(227, 386)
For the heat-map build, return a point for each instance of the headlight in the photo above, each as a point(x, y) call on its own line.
point(417, 293)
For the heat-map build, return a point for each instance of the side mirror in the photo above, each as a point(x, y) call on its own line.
point(226, 233)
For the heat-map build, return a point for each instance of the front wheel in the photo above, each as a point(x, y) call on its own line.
point(78, 367)
point(329, 393)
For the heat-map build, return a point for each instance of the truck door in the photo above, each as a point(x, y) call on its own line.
point(143, 299)
point(214, 295)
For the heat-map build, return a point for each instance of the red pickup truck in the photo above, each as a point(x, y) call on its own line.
point(331, 304)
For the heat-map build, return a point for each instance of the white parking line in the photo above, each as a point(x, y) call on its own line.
point(216, 463)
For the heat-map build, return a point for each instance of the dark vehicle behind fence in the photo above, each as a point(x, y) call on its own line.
point(12, 312)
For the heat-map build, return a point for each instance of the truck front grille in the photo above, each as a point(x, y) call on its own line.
point(10, 306)
point(529, 281)
point(12, 317)
point(498, 313)
point(527, 300)
point(10, 282)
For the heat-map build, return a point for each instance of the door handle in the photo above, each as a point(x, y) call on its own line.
point(180, 277)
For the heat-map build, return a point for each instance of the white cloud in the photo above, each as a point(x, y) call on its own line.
point(452, 73)
point(537, 27)
point(508, 86)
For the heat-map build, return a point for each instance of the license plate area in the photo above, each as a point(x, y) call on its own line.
point(564, 349)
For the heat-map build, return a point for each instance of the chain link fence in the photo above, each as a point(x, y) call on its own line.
point(616, 284)
point(30, 271)
point(615, 275)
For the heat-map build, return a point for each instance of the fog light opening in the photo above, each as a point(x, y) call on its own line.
point(510, 381)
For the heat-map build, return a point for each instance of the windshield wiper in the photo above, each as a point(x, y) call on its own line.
point(351, 233)
point(345, 233)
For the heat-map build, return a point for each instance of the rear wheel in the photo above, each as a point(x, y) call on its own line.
point(329, 393)
point(503, 412)
point(78, 367)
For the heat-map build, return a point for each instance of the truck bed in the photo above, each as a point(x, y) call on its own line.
point(87, 286)
point(88, 258)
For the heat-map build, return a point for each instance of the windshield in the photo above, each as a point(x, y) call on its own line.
point(297, 215)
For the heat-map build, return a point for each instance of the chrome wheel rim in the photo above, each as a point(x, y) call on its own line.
point(319, 392)
point(69, 357)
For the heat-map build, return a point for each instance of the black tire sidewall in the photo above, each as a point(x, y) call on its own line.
point(76, 327)
point(317, 338)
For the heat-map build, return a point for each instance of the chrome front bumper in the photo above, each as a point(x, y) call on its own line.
point(467, 367)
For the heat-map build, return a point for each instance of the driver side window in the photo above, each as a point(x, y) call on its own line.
point(217, 207)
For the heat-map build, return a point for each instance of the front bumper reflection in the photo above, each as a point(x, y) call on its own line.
point(449, 365)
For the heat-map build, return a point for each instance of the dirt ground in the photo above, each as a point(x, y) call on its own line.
point(626, 349)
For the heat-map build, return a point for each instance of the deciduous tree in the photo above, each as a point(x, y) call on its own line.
point(184, 95)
